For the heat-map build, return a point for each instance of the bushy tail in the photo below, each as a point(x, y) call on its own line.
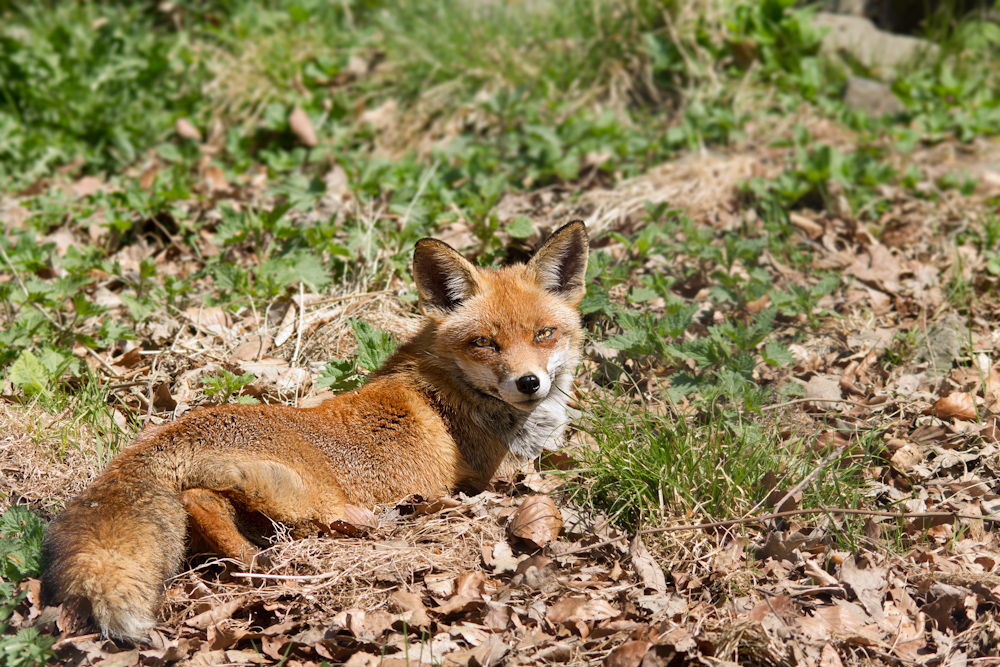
point(113, 547)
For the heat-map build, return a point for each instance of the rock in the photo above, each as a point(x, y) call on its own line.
point(873, 97)
point(942, 345)
point(862, 41)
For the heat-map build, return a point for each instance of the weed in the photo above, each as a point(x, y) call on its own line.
point(374, 347)
point(20, 557)
point(227, 384)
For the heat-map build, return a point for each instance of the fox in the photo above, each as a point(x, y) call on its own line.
point(485, 380)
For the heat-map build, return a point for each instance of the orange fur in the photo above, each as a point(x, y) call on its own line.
point(486, 379)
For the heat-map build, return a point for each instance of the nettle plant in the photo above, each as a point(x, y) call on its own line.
point(719, 360)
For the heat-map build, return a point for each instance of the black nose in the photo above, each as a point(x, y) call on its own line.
point(528, 384)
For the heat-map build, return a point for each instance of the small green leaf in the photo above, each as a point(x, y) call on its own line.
point(29, 374)
point(339, 375)
point(776, 354)
point(641, 294)
point(374, 345)
point(521, 227)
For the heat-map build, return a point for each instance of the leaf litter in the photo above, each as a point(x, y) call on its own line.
point(518, 575)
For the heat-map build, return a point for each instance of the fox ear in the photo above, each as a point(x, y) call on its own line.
point(444, 278)
point(560, 265)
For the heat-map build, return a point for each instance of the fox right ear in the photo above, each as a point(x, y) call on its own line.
point(444, 278)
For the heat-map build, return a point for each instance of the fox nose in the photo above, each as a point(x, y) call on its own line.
point(528, 384)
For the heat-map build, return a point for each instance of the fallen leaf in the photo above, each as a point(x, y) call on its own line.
point(362, 517)
point(185, 130)
point(537, 521)
point(500, 558)
point(646, 567)
point(957, 405)
point(214, 615)
point(569, 610)
point(302, 127)
point(629, 654)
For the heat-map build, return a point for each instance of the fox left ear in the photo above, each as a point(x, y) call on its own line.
point(560, 265)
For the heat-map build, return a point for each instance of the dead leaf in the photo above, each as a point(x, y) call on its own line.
point(362, 517)
point(629, 654)
point(574, 609)
point(500, 558)
point(88, 185)
point(436, 504)
point(829, 658)
point(252, 348)
point(646, 567)
point(213, 319)
point(148, 176)
point(213, 179)
point(537, 521)
point(497, 616)
point(162, 399)
point(302, 127)
point(185, 130)
point(867, 582)
point(957, 405)
point(214, 615)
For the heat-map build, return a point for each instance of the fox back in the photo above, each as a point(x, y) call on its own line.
point(486, 380)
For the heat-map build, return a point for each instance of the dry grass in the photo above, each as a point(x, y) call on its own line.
point(322, 574)
point(44, 459)
point(698, 185)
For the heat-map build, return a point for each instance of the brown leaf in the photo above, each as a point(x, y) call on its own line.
point(74, 617)
point(214, 319)
point(362, 517)
point(829, 658)
point(646, 567)
point(629, 654)
point(148, 176)
point(130, 359)
point(302, 127)
point(213, 615)
point(572, 610)
point(557, 461)
point(537, 521)
point(781, 606)
point(497, 616)
point(500, 557)
point(213, 179)
point(470, 584)
point(957, 405)
point(435, 505)
point(252, 348)
point(185, 130)
point(162, 400)
point(88, 185)
point(407, 601)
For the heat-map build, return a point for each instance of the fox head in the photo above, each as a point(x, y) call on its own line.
point(514, 332)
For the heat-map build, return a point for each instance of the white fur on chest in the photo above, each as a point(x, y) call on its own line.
point(544, 426)
point(546, 422)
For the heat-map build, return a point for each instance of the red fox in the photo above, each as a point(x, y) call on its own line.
point(487, 377)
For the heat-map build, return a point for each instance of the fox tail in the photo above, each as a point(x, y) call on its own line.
point(113, 548)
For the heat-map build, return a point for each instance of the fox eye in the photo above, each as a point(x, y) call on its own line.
point(482, 341)
point(545, 333)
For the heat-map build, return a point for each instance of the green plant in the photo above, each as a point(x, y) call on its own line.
point(374, 347)
point(227, 384)
point(801, 300)
point(20, 544)
point(20, 557)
